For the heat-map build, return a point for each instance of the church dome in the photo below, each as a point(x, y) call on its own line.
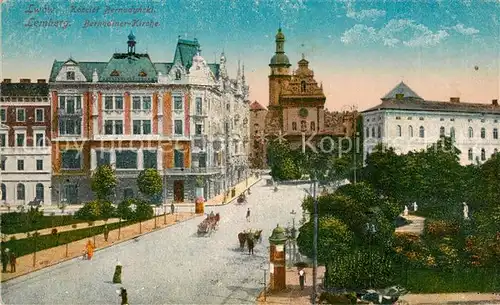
point(280, 35)
point(280, 59)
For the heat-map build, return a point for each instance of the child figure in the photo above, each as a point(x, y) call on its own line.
point(90, 250)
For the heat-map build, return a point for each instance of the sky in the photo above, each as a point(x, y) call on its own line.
point(359, 50)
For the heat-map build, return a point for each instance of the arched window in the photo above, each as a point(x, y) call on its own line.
point(178, 74)
point(294, 125)
point(441, 131)
point(471, 132)
point(367, 132)
point(303, 125)
point(302, 86)
point(313, 126)
point(398, 130)
point(373, 132)
point(3, 188)
point(421, 131)
point(452, 133)
point(39, 191)
point(483, 133)
point(471, 156)
point(21, 192)
point(410, 131)
point(483, 154)
point(495, 133)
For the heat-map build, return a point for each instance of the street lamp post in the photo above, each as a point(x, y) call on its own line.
point(294, 236)
point(264, 268)
point(315, 243)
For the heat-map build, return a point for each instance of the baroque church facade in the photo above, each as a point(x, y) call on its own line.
point(296, 109)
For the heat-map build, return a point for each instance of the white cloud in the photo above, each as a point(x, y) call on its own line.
point(460, 28)
point(395, 32)
point(363, 14)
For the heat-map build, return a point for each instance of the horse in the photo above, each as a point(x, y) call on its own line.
point(242, 238)
point(258, 235)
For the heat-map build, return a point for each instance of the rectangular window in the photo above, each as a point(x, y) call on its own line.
point(3, 114)
point(118, 127)
point(178, 103)
point(20, 165)
point(39, 165)
point(146, 127)
point(119, 102)
point(136, 126)
point(39, 139)
point(70, 126)
point(136, 103)
point(20, 139)
point(198, 129)
point(146, 102)
point(20, 115)
point(70, 104)
point(39, 115)
point(178, 130)
point(199, 105)
point(2, 165)
point(126, 159)
point(71, 159)
point(3, 140)
point(103, 158)
point(108, 102)
point(70, 75)
point(108, 127)
point(149, 159)
point(178, 158)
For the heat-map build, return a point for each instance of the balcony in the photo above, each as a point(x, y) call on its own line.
point(192, 171)
point(199, 114)
point(69, 112)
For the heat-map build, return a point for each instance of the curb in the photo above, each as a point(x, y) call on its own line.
point(234, 198)
point(102, 248)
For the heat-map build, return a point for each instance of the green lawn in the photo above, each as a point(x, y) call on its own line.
point(13, 223)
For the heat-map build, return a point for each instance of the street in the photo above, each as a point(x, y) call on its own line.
point(174, 265)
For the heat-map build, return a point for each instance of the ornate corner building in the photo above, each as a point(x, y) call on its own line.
point(186, 118)
point(296, 107)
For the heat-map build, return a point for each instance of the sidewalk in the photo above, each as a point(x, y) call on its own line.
point(240, 188)
point(452, 298)
point(293, 294)
point(62, 253)
point(48, 231)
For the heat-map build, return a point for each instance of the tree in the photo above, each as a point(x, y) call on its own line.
point(143, 211)
point(103, 181)
point(124, 211)
point(150, 183)
point(107, 210)
point(90, 212)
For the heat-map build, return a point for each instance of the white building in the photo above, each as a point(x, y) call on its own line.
point(25, 152)
point(407, 122)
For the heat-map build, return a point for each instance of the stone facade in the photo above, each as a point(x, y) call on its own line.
point(407, 122)
point(186, 118)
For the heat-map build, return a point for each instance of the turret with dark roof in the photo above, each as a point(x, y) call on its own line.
point(280, 58)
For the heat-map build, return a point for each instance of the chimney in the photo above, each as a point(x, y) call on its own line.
point(494, 102)
point(6, 80)
point(454, 99)
point(41, 81)
point(25, 81)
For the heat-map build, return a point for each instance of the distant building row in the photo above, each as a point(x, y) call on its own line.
point(186, 118)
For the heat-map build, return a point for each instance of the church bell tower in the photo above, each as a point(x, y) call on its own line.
point(280, 72)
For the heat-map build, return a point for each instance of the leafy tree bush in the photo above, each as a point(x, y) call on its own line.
point(124, 210)
point(150, 183)
point(103, 181)
point(16, 222)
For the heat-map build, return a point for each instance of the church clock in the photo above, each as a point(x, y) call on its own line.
point(303, 112)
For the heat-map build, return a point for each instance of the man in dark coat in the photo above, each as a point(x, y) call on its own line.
point(13, 262)
point(5, 260)
point(123, 294)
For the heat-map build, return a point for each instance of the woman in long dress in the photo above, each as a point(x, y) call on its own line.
point(90, 250)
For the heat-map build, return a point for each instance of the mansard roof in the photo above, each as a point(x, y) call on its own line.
point(435, 106)
point(24, 89)
point(403, 89)
point(124, 67)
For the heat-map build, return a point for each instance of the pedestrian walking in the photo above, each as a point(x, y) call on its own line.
point(302, 278)
point(248, 214)
point(13, 261)
point(106, 232)
point(172, 208)
point(123, 294)
point(5, 260)
point(90, 250)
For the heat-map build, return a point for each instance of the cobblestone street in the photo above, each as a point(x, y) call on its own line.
point(171, 266)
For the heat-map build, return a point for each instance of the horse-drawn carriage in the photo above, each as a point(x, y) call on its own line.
point(209, 224)
point(242, 198)
point(249, 237)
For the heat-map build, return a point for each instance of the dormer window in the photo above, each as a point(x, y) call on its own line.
point(143, 74)
point(70, 75)
point(115, 73)
point(178, 74)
